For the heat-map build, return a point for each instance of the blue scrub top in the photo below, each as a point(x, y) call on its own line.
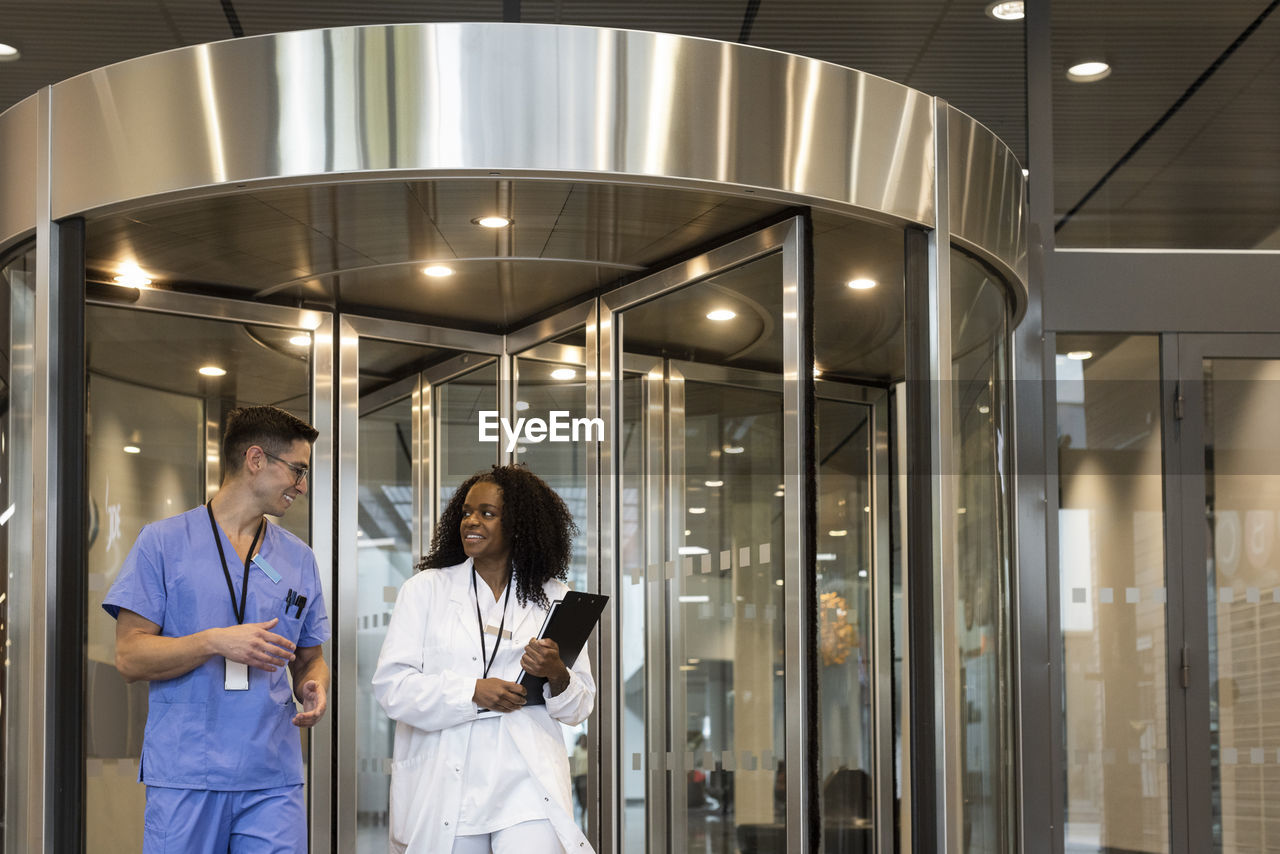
point(200, 735)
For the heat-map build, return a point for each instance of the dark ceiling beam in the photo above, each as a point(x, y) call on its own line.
point(233, 20)
point(511, 11)
point(748, 21)
point(1169, 113)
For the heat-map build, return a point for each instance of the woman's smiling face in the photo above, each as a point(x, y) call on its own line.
point(481, 527)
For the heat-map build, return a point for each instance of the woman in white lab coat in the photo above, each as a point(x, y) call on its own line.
point(474, 769)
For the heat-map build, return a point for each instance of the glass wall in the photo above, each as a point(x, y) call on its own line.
point(153, 428)
point(979, 328)
point(17, 285)
point(1113, 596)
point(1242, 507)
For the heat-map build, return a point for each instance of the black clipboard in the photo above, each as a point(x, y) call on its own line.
point(569, 623)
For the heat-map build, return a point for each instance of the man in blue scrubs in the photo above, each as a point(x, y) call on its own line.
point(210, 607)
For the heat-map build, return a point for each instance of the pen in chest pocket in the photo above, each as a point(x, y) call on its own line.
point(294, 600)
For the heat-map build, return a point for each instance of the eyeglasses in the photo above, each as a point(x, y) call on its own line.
point(299, 472)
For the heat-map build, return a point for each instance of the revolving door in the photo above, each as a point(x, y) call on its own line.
point(766, 353)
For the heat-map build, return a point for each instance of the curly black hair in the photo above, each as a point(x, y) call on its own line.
point(535, 521)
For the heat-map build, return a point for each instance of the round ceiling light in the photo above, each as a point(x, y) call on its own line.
point(492, 221)
point(213, 371)
point(437, 271)
point(8, 53)
point(563, 374)
point(1007, 10)
point(862, 284)
point(733, 449)
point(1080, 355)
point(132, 449)
point(300, 340)
point(721, 314)
point(1088, 72)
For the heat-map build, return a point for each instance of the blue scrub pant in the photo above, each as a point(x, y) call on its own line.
point(193, 821)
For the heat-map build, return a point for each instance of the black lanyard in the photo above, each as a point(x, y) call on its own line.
point(244, 588)
point(480, 622)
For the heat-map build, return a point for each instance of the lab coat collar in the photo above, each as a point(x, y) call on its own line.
point(526, 619)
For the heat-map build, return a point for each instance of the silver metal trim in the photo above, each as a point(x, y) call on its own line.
point(987, 199)
point(898, 398)
point(21, 131)
point(657, 801)
point(40, 790)
point(597, 534)
point(882, 619)
point(523, 341)
point(798, 601)
point(540, 259)
point(431, 336)
point(677, 705)
point(344, 617)
point(948, 696)
point(609, 476)
point(323, 735)
point(419, 478)
point(546, 112)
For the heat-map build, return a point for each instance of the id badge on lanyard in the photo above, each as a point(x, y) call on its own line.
point(235, 674)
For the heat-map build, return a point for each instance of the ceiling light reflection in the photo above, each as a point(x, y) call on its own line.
point(721, 314)
point(492, 221)
point(213, 371)
point(1089, 71)
point(563, 374)
point(862, 284)
point(437, 271)
point(1007, 10)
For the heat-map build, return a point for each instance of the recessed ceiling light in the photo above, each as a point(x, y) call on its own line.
point(132, 449)
point(721, 314)
point(1007, 10)
point(984, 409)
point(1080, 355)
point(1088, 72)
point(714, 483)
point(779, 494)
point(778, 582)
point(840, 532)
point(862, 573)
point(437, 271)
point(862, 284)
point(733, 449)
point(493, 221)
point(563, 374)
point(697, 511)
point(300, 340)
point(8, 53)
point(131, 276)
point(522, 405)
point(213, 371)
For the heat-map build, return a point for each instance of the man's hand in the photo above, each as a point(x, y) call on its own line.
point(314, 701)
point(542, 658)
point(498, 695)
point(253, 644)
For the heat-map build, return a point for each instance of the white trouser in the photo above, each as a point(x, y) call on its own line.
point(527, 837)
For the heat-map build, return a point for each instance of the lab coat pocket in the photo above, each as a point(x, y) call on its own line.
point(410, 787)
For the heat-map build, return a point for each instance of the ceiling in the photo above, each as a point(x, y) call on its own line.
point(1179, 147)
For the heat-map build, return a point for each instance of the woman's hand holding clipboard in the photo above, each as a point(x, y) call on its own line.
point(569, 623)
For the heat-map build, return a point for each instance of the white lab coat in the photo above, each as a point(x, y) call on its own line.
point(426, 687)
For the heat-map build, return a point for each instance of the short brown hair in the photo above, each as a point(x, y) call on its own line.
point(268, 427)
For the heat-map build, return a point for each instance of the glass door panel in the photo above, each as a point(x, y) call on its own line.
point(1242, 509)
point(702, 539)
point(153, 430)
point(846, 566)
point(418, 406)
point(551, 384)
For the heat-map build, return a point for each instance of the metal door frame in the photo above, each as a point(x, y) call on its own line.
point(1186, 437)
point(790, 237)
point(320, 788)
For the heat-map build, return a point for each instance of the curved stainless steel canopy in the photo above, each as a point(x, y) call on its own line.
point(519, 101)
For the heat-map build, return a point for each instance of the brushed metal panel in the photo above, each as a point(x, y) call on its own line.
point(19, 131)
point(988, 200)
point(457, 98)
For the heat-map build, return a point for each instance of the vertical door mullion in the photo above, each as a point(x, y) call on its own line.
point(655, 664)
point(675, 632)
point(602, 787)
point(1190, 776)
point(345, 618)
point(882, 620)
